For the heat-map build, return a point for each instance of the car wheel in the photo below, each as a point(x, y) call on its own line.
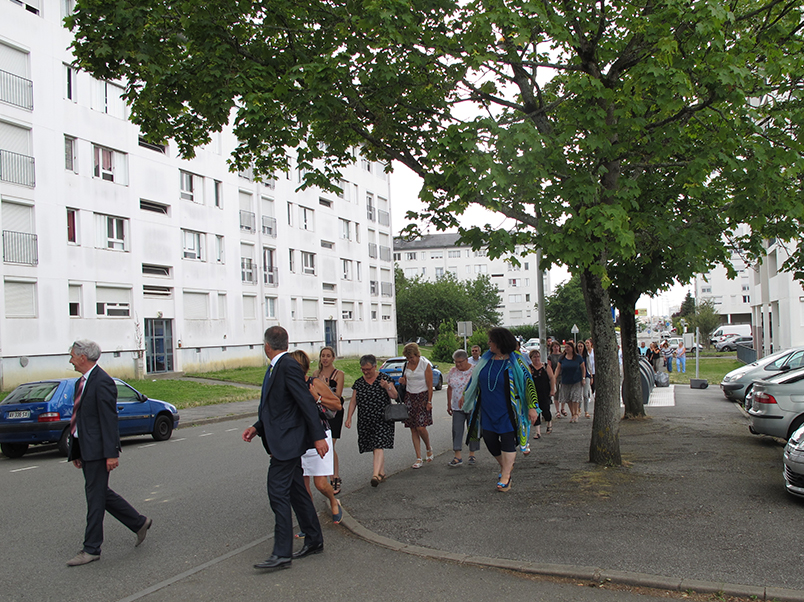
point(63, 444)
point(14, 450)
point(795, 425)
point(440, 383)
point(163, 428)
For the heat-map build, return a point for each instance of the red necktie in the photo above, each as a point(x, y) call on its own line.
point(79, 389)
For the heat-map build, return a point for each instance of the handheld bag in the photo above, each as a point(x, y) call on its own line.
point(396, 412)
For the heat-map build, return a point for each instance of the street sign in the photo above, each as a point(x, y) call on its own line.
point(575, 329)
point(464, 329)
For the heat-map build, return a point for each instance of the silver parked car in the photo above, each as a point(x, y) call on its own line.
point(730, 343)
point(777, 407)
point(794, 463)
point(738, 382)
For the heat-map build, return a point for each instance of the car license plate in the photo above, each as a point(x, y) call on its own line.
point(18, 415)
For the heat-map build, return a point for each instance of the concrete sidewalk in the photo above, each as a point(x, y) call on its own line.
point(699, 505)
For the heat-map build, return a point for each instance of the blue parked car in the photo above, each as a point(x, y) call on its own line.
point(393, 368)
point(39, 412)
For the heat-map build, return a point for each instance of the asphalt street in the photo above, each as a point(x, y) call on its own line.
point(698, 499)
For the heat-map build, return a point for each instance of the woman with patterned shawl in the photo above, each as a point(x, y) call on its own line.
point(501, 402)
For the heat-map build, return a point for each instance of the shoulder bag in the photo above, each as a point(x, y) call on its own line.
point(397, 412)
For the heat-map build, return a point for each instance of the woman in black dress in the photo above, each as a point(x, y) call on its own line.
point(545, 388)
point(371, 393)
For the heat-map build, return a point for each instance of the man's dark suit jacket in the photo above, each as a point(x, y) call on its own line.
point(288, 420)
point(98, 435)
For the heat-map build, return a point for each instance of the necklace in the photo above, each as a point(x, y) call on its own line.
point(488, 374)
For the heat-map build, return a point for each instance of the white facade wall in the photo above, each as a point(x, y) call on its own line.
point(146, 269)
point(777, 302)
point(432, 256)
point(732, 298)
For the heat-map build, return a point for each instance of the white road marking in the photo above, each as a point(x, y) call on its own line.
point(146, 445)
point(230, 430)
point(177, 440)
point(205, 434)
point(21, 469)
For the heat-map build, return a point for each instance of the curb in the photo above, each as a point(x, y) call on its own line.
point(582, 573)
point(214, 419)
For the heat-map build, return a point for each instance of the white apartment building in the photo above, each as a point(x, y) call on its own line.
point(731, 298)
point(170, 265)
point(434, 255)
point(777, 301)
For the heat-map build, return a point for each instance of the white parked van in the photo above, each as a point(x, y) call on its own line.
point(730, 330)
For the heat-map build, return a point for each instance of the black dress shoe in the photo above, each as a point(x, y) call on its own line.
point(308, 550)
point(274, 562)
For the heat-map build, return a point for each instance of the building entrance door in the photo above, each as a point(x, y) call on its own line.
point(331, 334)
point(158, 345)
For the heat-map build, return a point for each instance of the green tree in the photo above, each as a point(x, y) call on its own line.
point(565, 308)
point(423, 305)
point(455, 90)
point(706, 320)
point(446, 343)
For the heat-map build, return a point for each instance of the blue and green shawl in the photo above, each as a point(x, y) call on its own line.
point(521, 395)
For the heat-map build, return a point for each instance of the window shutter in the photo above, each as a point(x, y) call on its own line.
point(196, 306)
point(20, 299)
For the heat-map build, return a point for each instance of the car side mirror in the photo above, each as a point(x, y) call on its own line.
point(785, 368)
point(143, 397)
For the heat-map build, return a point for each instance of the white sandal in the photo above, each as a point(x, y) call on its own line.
point(430, 455)
point(418, 463)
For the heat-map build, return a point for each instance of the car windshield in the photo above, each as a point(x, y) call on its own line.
point(394, 364)
point(31, 393)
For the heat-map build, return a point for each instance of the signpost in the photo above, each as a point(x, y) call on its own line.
point(465, 331)
point(575, 331)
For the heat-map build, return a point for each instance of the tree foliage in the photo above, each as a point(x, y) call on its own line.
point(446, 343)
point(706, 320)
point(558, 115)
point(565, 308)
point(423, 305)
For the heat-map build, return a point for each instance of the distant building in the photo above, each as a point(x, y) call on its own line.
point(434, 255)
point(170, 265)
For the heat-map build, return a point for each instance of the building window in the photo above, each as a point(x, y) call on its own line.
point(290, 214)
point(112, 232)
point(439, 272)
point(70, 160)
point(397, 256)
point(270, 307)
point(346, 269)
point(308, 262)
point(436, 254)
point(310, 309)
point(113, 302)
point(72, 226)
point(159, 148)
point(706, 290)
point(325, 203)
point(410, 256)
point(108, 98)
point(306, 219)
point(375, 312)
point(20, 298)
point(292, 261)
point(346, 229)
point(746, 298)
point(219, 249)
point(110, 165)
point(196, 305)
point(188, 184)
point(247, 267)
point(453, 254)
point(74, 300)
point(250, 307)
point(71, 90)
point(348, 310)
point(193, 243)
point(515, 282)
point(218, 194)
point(150, 269)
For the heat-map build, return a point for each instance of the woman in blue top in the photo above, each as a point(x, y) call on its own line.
point(501, 402)
point(571, 373)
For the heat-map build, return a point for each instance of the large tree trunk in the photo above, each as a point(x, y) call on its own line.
point(632, 383)
point(605, 446)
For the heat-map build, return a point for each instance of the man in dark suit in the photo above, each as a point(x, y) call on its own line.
point(289, 425)
point(95, 447)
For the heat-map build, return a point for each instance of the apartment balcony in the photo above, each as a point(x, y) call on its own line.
point(374, 288)
point(383, 218)
point(371, 213)
point(373, 250)
point(20, 247)
point(269, 226)
point(247, 272)
point(16, 90)
point(17, 169)
point(270, 276)
point(385, 253)
point(248, 221)
point(387, 289)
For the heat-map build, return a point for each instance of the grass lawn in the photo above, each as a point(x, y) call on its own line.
point(711, 368)
point(187, 394)
point(254, 375)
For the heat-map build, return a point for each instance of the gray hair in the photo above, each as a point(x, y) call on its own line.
point(368, 359)
point(277, 338)
point(90, 349)
point(460, 354)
